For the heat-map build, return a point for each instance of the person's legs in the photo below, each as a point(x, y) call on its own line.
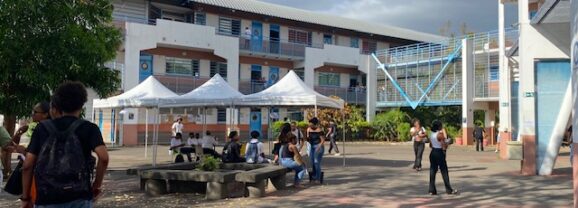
point(330, 145)
point(415, 154)
point(432, 172)
point(334, 143)
point(5, 156)
point(445, 175)
point(477, 144)
point(187, 151)
point(419, 155)
point(72, 204)
point(316, 157)
point(482, 144)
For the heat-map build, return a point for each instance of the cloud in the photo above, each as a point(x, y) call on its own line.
point(421, 15)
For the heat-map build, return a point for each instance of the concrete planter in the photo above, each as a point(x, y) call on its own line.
point(459, 141)
point(514, 150)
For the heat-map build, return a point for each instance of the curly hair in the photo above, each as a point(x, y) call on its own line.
point(69, 97)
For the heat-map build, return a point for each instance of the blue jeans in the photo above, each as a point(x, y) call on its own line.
point(316, 158)
point(291, 164)
point(81, 203)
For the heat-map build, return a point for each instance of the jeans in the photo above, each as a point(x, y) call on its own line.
point(418, 148)
point(81, 203)
point(316, 157)
point(437, 159)
point(479, 143)
point(291, 164)
point(333, 144)
point(187, 151)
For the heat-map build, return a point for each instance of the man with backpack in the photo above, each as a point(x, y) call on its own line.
point(479, 134)
point(254, 150)
point(60, 155)
point(232, 149)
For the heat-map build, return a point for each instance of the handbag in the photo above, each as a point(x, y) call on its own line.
point(14, 183)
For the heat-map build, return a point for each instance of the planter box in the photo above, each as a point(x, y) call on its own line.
point(514, 150)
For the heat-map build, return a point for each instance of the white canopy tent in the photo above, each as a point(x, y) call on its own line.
point(148, 94)
point(291, 91)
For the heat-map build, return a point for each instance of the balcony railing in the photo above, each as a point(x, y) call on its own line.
point(252, 86)
point(351, 95)
point(181, 84)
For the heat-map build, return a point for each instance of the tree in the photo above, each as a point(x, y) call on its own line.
point(46, 42)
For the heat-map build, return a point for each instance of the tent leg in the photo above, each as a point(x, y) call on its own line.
point(269, 127)
point(315, 110)
point(156, 138)
point(343, 130)
point(146, 132)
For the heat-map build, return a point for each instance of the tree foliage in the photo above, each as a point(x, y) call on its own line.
point(392, 125)
point(45, 42)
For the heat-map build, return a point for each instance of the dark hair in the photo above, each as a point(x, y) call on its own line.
point(255, 134)
point(314, 121)
point(294, 122)
point(232, 134)
point(285, 130)
point(208, 133)
point(178, 135)
point(45, 107)
point(69, 97)
point(415, 120)
point(191, 134)
point(436, 126)
point(197, 135)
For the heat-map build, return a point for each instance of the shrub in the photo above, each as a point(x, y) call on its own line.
point(403, 132)
point(209, 163)
point(391, 126)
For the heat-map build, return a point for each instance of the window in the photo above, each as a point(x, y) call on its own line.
point(329, 79)
point(200, 18)
point(174, 16)
point(220, 68)
point(229, 26)
point(179, 66)
point(221, 115)
point(300, 72)
point(368, 47)
point(494, 73)
point(299, 36)
point(327, 39)
point(354, 42)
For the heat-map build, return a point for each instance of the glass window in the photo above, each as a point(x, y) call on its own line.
point(221, 115)
point(329, 79)
point(228, 26)
point(494, 73)
point(354, 43)
point(327, 39)
point(300, 72)
point(200, 18)
point(220, 68)
point(299, 36)
point(180, 66)
point(369, 47)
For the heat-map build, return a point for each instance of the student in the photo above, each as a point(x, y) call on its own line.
point(247, 37)
point(254, 150)
point(193, 140)
point(208, 143)
point(5, 146)
point(75, 137)
point(177, 126)
point(299, 135)
point(316, 138)
point(332, 135)
point(437, 158)
point(479, 134)
point(178, 147)
point(232, 149)
point(418, 136)
point(289, 155)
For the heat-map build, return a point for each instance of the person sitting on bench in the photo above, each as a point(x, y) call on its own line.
point(178, 147)
point(232, 149)
point(254, 150)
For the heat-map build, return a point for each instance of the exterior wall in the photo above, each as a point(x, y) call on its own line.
point(574, 48)
point(213, 20)
point(381, 45)
point(330, 54)
point(131, 10)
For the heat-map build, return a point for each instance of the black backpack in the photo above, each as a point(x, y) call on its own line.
point(62, 168)
point(228, 154)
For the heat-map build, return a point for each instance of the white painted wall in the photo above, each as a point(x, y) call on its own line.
point(330, 54)
point(205, 68)
point(159, 65)
point(574, 48)
point(213, 20)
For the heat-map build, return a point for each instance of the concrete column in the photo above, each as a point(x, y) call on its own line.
point(467, 92)
point(490, 118)
point(371, 74)
point(310, 75)
point(233, 70)
point(527, 101)
point(505, 77)
point(131, 64)
point(574, 58)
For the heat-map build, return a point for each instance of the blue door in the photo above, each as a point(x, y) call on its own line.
point(552, 78)
point(257, 84)
point(146, 66)
point(255, 121)
point(273, 75)
point(112, 126)
point(100, 120)
point(274, 39)
point(257, 36)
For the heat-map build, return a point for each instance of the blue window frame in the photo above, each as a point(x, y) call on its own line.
point(494, 73)
point(354, 42)
point(329, 79)
point(200, 18)
point(327, 39)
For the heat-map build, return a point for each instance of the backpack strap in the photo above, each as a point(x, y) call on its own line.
point(50, 127)
point(72, 128)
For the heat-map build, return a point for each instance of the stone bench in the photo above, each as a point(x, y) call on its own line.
point(172, 166)
point(256, 180)
point(217, 183)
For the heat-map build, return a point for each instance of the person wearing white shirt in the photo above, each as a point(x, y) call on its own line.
point(247, 37)
point(437, 158)
point(193, 140)
point(254, 150)
point(208, 143)
point(177, 126)
point(178, 147)
point(299, 135)
point(418, 136)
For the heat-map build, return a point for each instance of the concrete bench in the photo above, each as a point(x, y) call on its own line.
point(256, 180)
point(172, 166)
point(217, 183)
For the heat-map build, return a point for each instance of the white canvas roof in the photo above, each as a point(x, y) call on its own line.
point(289, 91)
point(215, 92)
point(147, 94)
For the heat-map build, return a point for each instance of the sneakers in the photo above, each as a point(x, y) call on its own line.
point(337, 154)
point(453, 192)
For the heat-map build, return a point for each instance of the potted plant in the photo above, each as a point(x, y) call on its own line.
point(459, 139)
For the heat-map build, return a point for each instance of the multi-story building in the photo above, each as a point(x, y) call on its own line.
point(252, 44)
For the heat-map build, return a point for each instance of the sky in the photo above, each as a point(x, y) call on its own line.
point(421, 15)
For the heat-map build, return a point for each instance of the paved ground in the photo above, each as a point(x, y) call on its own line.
point(375, 175)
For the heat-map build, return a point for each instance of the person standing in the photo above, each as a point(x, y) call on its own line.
point(247, 37)
point(316, 138)
point(177, 127)
point(332, 135)
point(60, 154)
point(299, 136)
point(437, 158)
point(479, 134)
point(418, 135)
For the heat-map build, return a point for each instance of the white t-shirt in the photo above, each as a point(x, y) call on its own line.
point(413, 130)
point(193, 142)
point(247, 33)
point(434, 140)
point(177, 128)
point(259, 151)
point(299, 135)
point(176, 142)
point(208, 142)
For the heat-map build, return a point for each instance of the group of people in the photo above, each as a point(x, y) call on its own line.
point(439, 142)
point(58, 169)
point(193, 144)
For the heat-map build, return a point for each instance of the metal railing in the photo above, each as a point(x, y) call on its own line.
point(252, 86)
point(352, 95)
point(181, 84)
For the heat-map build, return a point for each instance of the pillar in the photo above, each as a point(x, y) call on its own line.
point(574, 54)
point(505, 105)
point(467, 92)
point(371, 84)
point(490, 121)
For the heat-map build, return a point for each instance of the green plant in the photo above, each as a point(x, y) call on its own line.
point(209, 163)
point(391, 125)
point(403, 132)
point(452, 131)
